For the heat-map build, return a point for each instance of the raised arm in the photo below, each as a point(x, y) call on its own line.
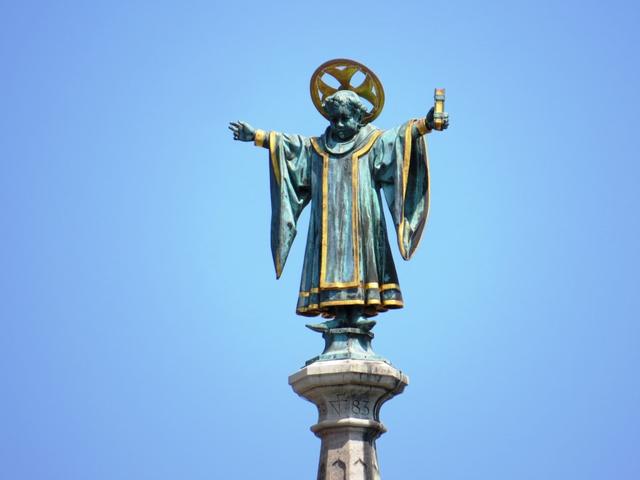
point(290, 178)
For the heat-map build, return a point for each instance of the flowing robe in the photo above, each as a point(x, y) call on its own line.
point(347, 259)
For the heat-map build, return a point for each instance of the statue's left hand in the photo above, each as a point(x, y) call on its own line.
point(242, 131)
point(430, 123)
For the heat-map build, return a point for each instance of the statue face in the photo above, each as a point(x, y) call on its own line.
point(344, 124)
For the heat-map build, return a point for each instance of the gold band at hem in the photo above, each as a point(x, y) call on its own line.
point(399, 303)
point(383, 287)
point(313, 306)
point(367, 286)
point(258, 141)
point(334, 303)
point(304, 293)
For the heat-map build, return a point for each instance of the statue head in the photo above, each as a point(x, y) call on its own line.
point(345, 111)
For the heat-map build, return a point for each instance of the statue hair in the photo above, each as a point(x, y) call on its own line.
point(345, 98)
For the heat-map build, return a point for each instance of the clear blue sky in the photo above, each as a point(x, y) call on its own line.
point(143, 333)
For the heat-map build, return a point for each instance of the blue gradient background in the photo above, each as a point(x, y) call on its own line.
point(143, 333)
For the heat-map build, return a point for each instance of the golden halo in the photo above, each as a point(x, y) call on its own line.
point(343, 70)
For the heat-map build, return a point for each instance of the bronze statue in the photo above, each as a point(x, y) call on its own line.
point(348, 274)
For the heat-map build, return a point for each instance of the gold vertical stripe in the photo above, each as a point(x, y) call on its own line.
point(355, 237)
point(405, 176)
point(428, 193)
point(355, 214)
point(276, 173)
point(325, 212)
point(355, 185)
point(426, 159)
point(274, 157)
point(407, 158)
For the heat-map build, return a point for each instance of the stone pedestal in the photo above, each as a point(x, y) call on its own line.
point(348, 394)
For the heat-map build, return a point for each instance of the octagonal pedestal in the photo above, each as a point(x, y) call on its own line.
point(349, 395)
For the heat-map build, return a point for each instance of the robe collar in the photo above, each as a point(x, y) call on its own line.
point(337, 148)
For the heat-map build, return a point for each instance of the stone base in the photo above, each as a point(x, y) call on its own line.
point(349, 395)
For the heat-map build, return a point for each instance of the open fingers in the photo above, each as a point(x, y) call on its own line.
point(236, 131)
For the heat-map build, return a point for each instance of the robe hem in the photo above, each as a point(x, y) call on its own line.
point(371, 296)
point(371, 308)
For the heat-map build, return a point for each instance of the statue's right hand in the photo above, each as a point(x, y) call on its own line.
point(242, 131)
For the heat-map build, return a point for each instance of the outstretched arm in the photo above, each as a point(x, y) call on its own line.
point(290, 179)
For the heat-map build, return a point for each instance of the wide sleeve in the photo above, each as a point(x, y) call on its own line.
point(290, 177)
point(401, 169)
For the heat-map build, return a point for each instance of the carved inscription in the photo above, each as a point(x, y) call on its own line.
point(343, 404)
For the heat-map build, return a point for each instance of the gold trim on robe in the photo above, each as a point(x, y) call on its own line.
point(274, 156)
point(355, 213)
point(406, 164)
point(373, 298)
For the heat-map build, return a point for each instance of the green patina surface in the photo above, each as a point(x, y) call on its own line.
point(346, 174)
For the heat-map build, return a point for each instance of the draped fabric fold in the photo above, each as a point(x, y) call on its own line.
point(289, 157)
point(403, 173)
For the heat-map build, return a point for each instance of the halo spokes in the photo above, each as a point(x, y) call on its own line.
point(343, 70)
